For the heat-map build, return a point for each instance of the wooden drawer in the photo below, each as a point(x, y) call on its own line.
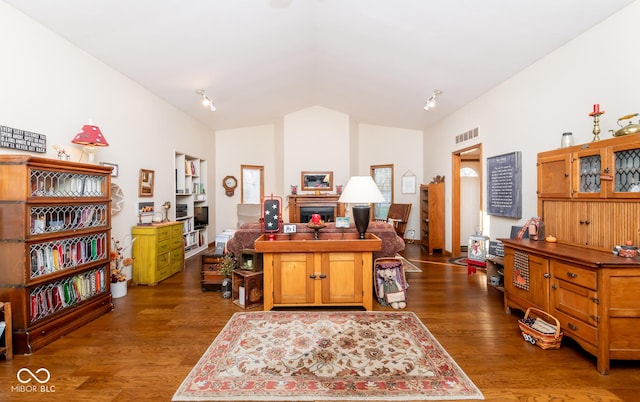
point(578, 328)
point(163, 273)
point(574, 274)
point(163, 246)
point(163, 260)
point(176, 231)
point(163, 233)
point(176, 255)
point(177, 242)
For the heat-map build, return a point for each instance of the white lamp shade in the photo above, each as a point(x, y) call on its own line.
point(361, 190)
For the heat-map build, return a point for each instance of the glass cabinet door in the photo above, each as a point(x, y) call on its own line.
point(590, 173)
point(626, 173)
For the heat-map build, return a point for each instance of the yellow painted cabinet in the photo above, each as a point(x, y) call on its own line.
point(158, 252)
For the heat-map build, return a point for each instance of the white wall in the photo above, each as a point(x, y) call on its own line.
point(402, 148)
point(530, 111)
point(51, 87)
point(242, 146)
point(315, 138)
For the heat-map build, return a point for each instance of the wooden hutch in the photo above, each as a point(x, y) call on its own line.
point(589, 199)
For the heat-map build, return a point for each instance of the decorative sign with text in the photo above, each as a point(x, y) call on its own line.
point(22, 140)
point(505, 185)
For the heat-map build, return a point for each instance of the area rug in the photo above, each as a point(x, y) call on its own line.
point(408, 266)
point(325, 356)
point(459, 261)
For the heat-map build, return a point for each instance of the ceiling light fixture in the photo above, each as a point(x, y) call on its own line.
point(431, 102)
point(206, 101)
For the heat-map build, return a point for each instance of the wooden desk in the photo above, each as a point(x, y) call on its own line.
point(335, 270)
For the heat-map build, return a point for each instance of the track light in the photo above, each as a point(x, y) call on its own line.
point(431, 102)
point(206, 101)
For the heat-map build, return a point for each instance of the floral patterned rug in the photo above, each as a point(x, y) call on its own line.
point(325, 356)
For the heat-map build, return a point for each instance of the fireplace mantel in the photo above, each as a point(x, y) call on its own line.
point(313, 200)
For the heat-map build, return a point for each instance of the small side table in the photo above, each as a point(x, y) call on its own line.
point(211, 278)
point(248, 288)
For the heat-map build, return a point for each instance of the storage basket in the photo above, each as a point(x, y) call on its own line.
point(546, 334)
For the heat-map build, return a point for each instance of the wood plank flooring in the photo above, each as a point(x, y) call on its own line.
point(144, 348)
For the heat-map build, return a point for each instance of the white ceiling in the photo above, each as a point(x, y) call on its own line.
point(377, 60)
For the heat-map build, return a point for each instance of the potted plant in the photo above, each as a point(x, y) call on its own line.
point(117, 263)
point(226, 267)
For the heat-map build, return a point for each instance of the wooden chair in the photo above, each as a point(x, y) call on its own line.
point(398, 216)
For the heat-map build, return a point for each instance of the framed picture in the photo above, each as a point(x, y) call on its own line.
point(145, 188)
point(251, 184)
point(316, 181)
point(409, 183)
point(114, 172)
point(342, 222)
point(289, 228)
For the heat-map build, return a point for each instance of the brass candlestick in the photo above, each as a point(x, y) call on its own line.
point(596, 125)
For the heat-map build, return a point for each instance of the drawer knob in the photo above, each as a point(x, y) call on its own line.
point(312, 276)
point(573, 327)
point(572, 275)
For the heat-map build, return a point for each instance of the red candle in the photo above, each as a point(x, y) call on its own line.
point(315, 219)
point(596, 108)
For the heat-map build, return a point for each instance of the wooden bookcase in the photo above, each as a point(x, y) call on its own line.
point(55, 240)
point(191, 191)
point(432, 216)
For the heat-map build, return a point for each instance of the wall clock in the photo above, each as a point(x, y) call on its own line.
point(229, 183)
point(117, 198)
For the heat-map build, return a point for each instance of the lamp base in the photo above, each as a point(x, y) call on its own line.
point(361, 218)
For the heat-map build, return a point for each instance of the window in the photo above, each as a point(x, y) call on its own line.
point(383, 176)
point(252, 182)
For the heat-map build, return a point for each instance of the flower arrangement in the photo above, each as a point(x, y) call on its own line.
point(118, 260)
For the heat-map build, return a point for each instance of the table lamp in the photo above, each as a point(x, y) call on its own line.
point(90, 137)
point(362, 191)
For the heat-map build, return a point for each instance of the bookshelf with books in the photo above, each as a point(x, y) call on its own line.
point(54, 246)
point(190, 198)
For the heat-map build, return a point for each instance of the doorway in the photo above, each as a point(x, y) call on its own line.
point(466, 194)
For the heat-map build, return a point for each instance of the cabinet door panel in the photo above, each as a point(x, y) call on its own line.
point(530, 284)
point(575, 300)
point(291, 282)
point(344, 276)
point(554, 176)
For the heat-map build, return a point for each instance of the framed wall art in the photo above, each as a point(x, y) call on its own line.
point(114, 172)
point(408, 183)
point(315, 181)
point(145, 188)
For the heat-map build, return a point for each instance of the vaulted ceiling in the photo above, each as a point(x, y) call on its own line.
point(377, 60)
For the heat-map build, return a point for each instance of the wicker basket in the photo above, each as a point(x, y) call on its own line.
point(531, 332)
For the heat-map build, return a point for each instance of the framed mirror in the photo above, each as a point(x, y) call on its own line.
point(145, 188)
point(252, 184)
point(316, 181)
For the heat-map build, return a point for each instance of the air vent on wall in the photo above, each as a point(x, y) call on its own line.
point(467, 135)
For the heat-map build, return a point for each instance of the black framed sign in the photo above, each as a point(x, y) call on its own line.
point(505, 185)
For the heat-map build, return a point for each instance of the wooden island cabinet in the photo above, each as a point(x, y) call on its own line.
point(333, 271)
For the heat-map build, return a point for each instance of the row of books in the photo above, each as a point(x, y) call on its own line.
point(80, 217)
point(47, 258)
point(48, 184)
point(51, 298)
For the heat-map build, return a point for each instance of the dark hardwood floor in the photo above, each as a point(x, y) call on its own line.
point(145, 347)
